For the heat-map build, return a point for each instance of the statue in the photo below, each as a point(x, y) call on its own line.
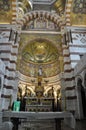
point(40, 71)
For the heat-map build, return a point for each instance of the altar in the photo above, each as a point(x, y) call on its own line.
point(67, 117)
point(43, 104)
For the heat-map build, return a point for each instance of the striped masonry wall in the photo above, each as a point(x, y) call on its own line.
point(14, 11)
point(72, 53)
point(8, 54)
point(37, 14)
point(69, 80)
point(68, 11)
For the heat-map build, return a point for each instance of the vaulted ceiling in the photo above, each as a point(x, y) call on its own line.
point(37, 51)
point(12, 10)
point(40, 51)
point(41, 15)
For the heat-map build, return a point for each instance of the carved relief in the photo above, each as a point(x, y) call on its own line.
point(79, 6)
point(2, 35)
point(41, 23)
point(81, 37)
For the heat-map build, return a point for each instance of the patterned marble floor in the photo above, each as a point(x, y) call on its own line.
point(80, 125)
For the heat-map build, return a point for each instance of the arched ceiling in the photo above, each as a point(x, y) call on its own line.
point(73, 11)
point(53, 14)
point(25, 5)
point(40, 51)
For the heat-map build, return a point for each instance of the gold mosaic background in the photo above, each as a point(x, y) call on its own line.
point(36, 51)
point(78, 13)
point(5, 11)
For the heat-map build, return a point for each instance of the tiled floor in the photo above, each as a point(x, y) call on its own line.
point(80, 125)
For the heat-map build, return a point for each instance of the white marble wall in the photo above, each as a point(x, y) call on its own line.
point(2, 73)
point(72, 56)
point(79, 72)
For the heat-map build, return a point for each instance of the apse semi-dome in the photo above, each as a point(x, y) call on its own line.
point(40, 51)
point(37, 54)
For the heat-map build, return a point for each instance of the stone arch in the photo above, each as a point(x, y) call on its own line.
point(68, 12)
point(81, 98)
point(37, 14)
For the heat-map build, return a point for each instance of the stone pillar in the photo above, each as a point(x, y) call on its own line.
point(9, 50)
point(70, 94)
point(0, 118)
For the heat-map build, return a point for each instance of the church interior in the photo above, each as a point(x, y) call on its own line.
point(43, 57)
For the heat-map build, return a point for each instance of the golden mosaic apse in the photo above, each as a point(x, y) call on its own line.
point(39, 53)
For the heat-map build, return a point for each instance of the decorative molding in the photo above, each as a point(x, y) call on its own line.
point(80, 37)
point(10, 69)
point(70, 70)
point(70, 88)
point(37, 14)
point(68, 11)
point(69, 79)
point(9, 78)
point(71, 97)
point(66, 55)
point(5, 96)
point(67, 62)
point(3, 34)
point(7, 87)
